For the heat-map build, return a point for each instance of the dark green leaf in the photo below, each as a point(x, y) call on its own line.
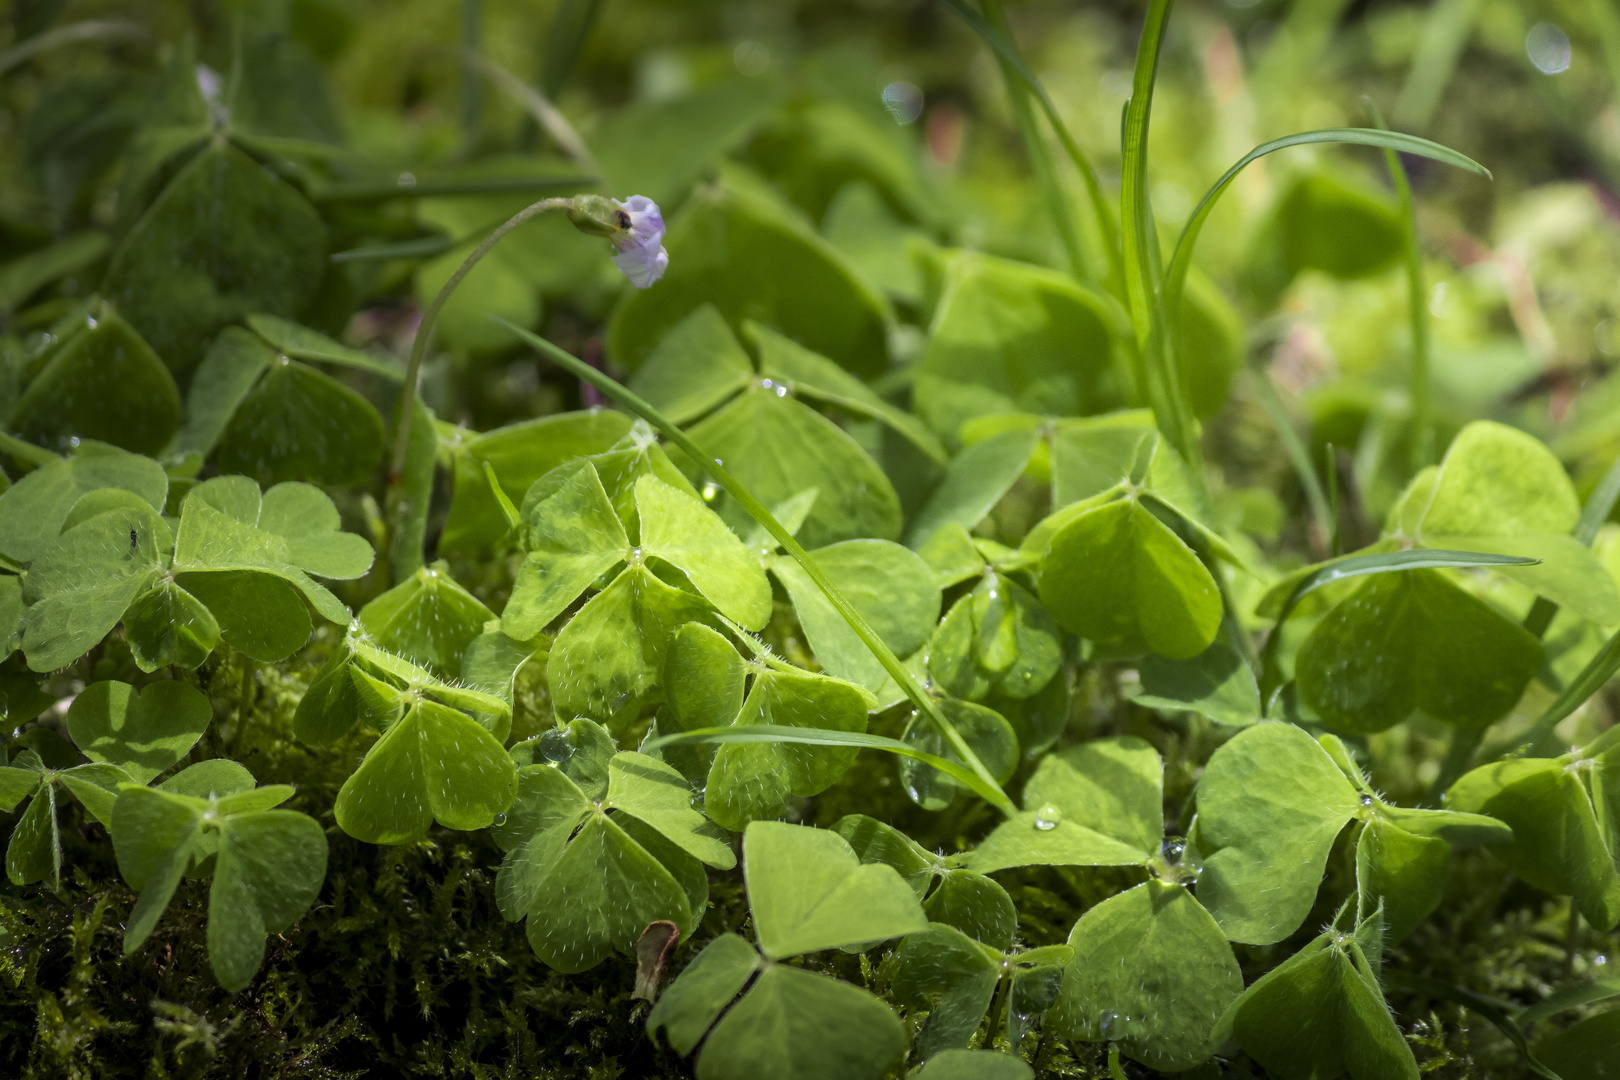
point(750, 782)
point(226, 238)
point(891, 588)
point(33, 509)
point(697, 365)
point(1414, 641)
point(434, 764)
point(777, 447)
point(429, 619)
point(974, 482)
point(1151, 972)
point(1011, 337)
point(106, 383)
point(301, 424)
point(520, 454)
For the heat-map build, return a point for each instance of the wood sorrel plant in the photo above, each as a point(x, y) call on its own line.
point(606, 694)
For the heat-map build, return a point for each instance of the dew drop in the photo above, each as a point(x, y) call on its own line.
point(1107, 1021)
point(710, 490)
point(1047, 817)
point(500, 819)
point(1366, 800)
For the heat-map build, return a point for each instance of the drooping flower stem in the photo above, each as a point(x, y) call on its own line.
point(424, 332)
point(722, 476)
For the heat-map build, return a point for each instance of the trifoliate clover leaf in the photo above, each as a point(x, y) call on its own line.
point(11, 614)
point(103, 381)
point(492, 660)
point(432, 763)
point(591, 874)
point(80, 584)
point(777, 447)
point(953, 978)
point(1270, 804)
point(35, 851)
point(166, 626)
point(952, 895)
point(269, 865)
point(807, 891)
point(291, 533)
point(696, 365)
point(891, 587)
point(987, 734)
point(753, 781)
point(1500, 490)
point(428, 618)
point(581, 750)
point(780, 1027)
point(609, 660)
point(974, 1065)
point(1409, 641)
point(1119, 576)
point(1563, 813)
point(573, 536)
point(974, 481)
point(1321, 1013)
point(362, 681)
point(520, 454)
point(677, 528)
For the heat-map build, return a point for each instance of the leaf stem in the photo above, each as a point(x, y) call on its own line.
point(710, 464)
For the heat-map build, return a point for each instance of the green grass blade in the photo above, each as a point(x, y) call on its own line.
point(759, 513)
point(773, 733)
point(1598, 671)
point(1135, 210)
point(1176, 275)
point(1570, 997)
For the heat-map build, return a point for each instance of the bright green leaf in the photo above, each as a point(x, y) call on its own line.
point(1270, 804)
point(434, 764)
point(141, 732)
point(1117, 575)
point(1414, 641)
point(809, 892)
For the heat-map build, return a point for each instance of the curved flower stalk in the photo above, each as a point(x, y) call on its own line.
point(635, 227)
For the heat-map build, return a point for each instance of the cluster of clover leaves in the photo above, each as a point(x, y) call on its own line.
point(602, 843)
point(648, 570)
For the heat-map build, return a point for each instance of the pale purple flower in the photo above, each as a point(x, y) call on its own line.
point(641, 255)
